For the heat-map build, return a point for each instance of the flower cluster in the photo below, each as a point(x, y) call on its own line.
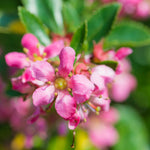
point(54, 75)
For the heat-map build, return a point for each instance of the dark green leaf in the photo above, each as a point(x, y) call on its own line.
point(127, 34)
point(79, 39)
point(100, 23)
point(48, 11)
point(132, 131)
point(71, 17)
point(13, 93)
point(110, 63)
point(34, 26)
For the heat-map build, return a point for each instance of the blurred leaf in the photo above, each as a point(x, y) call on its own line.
point(132, 131)
point(110, 63)
point(71, 17)
point(55, 6)
point(48, 11)
point(79, 39)
point(13, 93)
point(127, 34)
point(34, 26)
point(57, 143)
point(100, 23)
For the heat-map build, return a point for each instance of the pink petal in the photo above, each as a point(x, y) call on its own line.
point(74, 121)
point(18, 85)
point(43, 95)
point(33, 118)
point(103, 135)
point(43, 71)
point(122, 87)
point(30, 42)
point(27, 76)
point(104, 71)
point(111, 116)
point(67, 57)
point(103, 102)
point(16, 59)
point(54, 49)
point(82, 88)
point(98, 81)
point(65, 105)
point(123, 52)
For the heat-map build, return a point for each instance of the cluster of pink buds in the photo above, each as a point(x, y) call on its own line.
point(52, 75)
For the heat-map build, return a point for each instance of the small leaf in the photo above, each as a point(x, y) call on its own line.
point(132, 131)
point(100, 23)
point(110, 63)
point(34, 26)
point(127, 34)
point(79, 39)
point(13, 93)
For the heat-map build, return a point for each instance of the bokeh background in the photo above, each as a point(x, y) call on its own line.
point(133, 125)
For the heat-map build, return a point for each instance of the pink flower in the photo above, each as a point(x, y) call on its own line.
point(55, 84)
point(21, 87)
point(16, 59)
point(34, 52)
point(101, 130)
point(124, 84)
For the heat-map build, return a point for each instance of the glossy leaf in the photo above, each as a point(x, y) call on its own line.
point(100, 23)
point(34, 26)
point(132, 131)
point(71, 17)
point(79, 39)
point(127, 34)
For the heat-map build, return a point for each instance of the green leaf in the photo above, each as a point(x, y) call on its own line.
point(100, 23)
point(34, 26)
point(71, 17)
point(48, 11)
point(132, 131)
point(110, 63)
point(79, 39)
point(55, 6)
point(127, 34)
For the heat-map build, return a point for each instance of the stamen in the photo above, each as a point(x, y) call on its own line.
point(25, 50)
point(69, 90)
point(48, 82)
point(38, 45)
point(100, 96)
point(56, 70)
point(56, 94)
point(27, 59)
point(35, 55)
point(91, 108)
point(84, 120)
point(44, 54)
point(70, 74)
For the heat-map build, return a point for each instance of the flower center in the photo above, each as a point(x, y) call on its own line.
point(60, 83)
point(37, 58)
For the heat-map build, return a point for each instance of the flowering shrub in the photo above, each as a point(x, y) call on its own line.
point(72, 75)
